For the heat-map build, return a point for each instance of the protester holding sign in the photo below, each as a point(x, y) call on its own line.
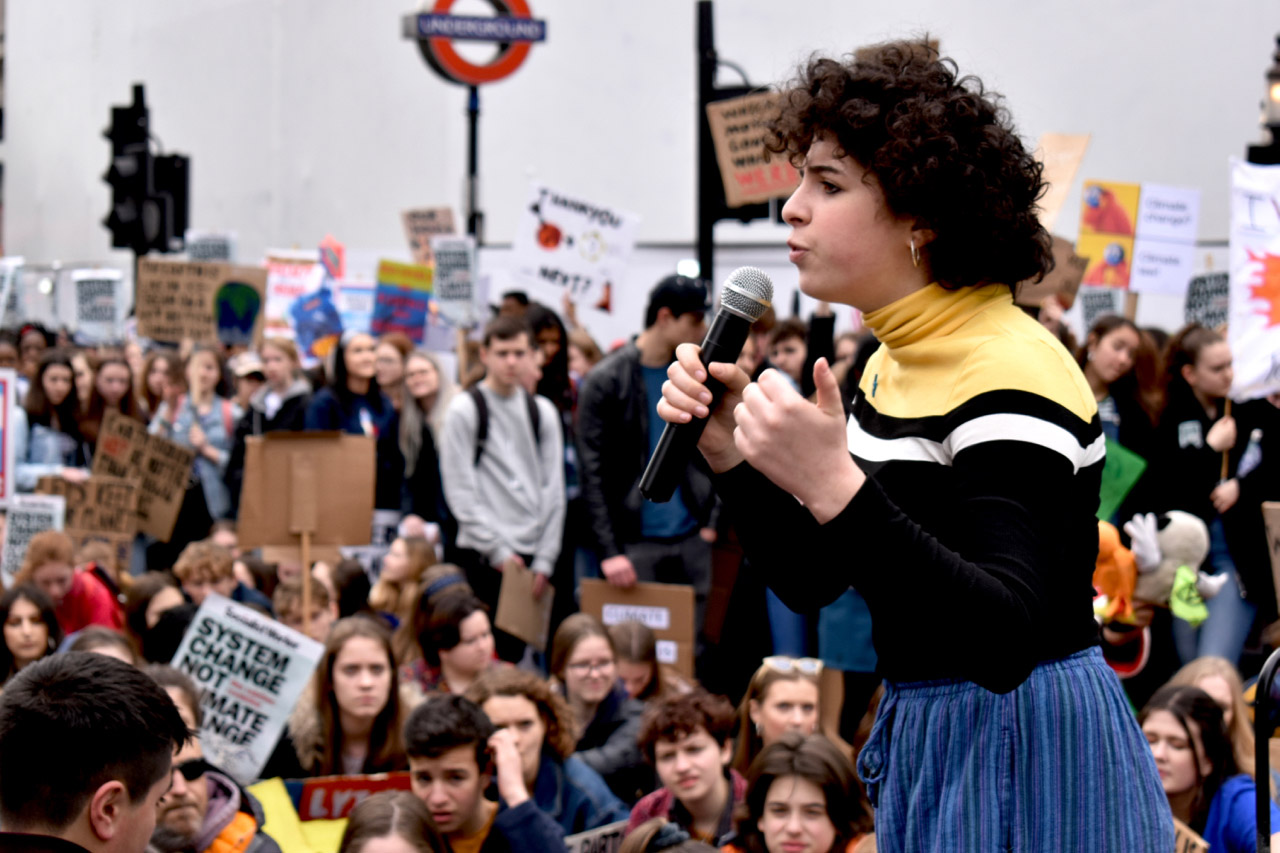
point(391, 822)
point(204, 421)
point(112, 391)
point(350, 719)
point(783, 696)
point(561, 784)
point(584, 664)
point(280, 404)
point(31, 629)
point(455, 753)
point(1193, 753)
point(802, 797)
point(46, 431)
point(353, 403)
point(1194, 434)
point(78, 598)
point(966, 480)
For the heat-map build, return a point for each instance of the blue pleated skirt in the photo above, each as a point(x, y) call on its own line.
point(1058, 764)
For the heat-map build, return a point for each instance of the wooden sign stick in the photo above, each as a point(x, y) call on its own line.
point(302, 518)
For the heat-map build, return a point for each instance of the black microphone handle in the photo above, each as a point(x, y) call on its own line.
point(679, 442)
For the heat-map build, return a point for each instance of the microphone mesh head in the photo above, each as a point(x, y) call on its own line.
point(747, 293)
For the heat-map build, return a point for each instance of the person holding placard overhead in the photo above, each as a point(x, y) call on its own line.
point(959, 497)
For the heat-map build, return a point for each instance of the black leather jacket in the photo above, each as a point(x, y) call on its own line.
point(613, 448)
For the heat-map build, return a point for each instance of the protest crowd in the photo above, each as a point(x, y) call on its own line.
point(523, 649)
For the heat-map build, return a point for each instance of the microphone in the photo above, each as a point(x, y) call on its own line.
point(743, 300)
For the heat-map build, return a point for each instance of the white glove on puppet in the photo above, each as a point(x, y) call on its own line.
point(1144, 544)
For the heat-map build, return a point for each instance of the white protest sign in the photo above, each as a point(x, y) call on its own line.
point(602, 839)
point(10, 310)
point(27, 516)
point(565, 243)
point(1166, 213)
point(1097, 301)
point(250, 670)
point(8, 447)
point(454, 287)
point(99, 307)
point(1253, 327)
point(1161, 267)
point(210, 246)
point(1208, 299)
point(355, 303)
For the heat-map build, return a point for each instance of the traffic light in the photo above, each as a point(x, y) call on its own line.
point(149, 194)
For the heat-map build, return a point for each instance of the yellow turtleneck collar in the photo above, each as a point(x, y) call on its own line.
point(932, 311)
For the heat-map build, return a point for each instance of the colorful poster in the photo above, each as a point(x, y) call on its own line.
point(1253, 328)
point(401, 300)
point(565, 243)
point(291, 273)
point(8, 452)
point(99, 308)
point(454, 285)
point(250, 670)
point(1107, 215)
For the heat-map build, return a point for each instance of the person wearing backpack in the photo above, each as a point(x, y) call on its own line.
point(205, 422)
point(502, 465)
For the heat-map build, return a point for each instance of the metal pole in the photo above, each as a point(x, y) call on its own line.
point(1263, 725)
point(706, 89)
point(475, 219)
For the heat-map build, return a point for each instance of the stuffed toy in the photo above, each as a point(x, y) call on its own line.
point(1161, 568)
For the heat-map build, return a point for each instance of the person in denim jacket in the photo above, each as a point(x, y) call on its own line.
point(562, 785)
point(205, 422)
point(47, 438)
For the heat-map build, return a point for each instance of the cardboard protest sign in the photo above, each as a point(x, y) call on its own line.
point(99, 305)
point(421, 225)
point(454, 287)
point(401, 300)
point(161, 468)
point(603, 839)
point(738, 128)
point(210, 246)
point(1061, 154)
point(1120, 473)
point(666, 608)
point(1271, 516)
point(1063, 281)
point(250, 670)
point(1208, 299)
point(1253, 328)
point(1185, 839)
point(101, 509)
point(8, 447)
point(333, 797)
point(565, 243)
point(339, 497)
point(519, 613)
point(27, 516)
point(204, 301)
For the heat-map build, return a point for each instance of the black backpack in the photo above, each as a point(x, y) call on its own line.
point(482, 419)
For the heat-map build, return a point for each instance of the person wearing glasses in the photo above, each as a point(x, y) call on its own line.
point(783, 696)
point(205, 809)
point(584, 664)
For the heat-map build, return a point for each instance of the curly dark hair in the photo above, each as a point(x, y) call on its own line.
point(680, 716)
point(942, 149)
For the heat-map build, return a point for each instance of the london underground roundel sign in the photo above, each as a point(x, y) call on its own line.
point(513, 29)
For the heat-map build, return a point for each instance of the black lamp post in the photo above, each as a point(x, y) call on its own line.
point(1269, 154)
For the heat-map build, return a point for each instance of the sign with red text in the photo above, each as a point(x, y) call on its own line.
point(250, 671)
point(333, 797)
point(738, 128)
point(1253, 328)
point(566, 244)
point(401, 300)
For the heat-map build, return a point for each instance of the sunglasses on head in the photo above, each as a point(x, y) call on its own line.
point(193, 769)
point(782, 663)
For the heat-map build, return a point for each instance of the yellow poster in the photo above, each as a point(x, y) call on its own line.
point(1108, 208)
point(1109, 259)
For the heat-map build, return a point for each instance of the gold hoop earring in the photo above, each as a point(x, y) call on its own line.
point(915, 253)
